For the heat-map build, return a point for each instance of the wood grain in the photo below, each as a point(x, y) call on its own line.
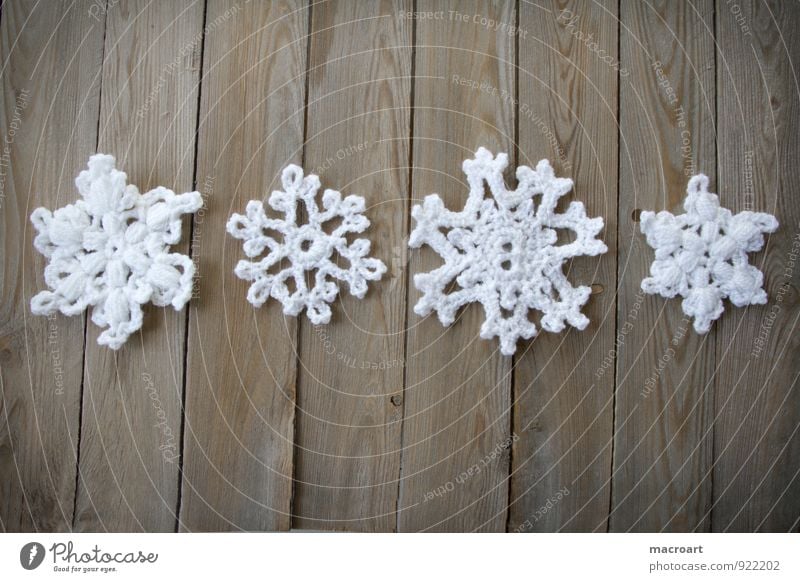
point(224, 417)
point(563, 397)
point(130, 431)
point(349, 410)
point(240, 391)
point(756, 441)
point(664, 395)
point(48, 125)
point(458, 386)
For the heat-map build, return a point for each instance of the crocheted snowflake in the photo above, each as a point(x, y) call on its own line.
point(307, 247)
point(110, 250)
point(502, 252)
point(702, 255)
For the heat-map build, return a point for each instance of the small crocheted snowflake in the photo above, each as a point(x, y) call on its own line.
point(306, 246)
point(110, 250)
point(702, 255)
point(502, 251)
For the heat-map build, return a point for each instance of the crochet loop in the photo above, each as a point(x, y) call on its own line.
point(306, 247)
point(702, 255)
point(110, 250)
point(502, 251)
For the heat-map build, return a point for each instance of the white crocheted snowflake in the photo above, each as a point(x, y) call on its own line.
point(307, 247)
point(502, 251)
point(110, 250)
point(702, 255)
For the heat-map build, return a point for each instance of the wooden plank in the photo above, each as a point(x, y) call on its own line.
point(664, 400)
point(131, 421)
point(240, 390)
point(458, 386)
point(349, 411)
point(49, 105)
point(756, 441)
point(563, 396)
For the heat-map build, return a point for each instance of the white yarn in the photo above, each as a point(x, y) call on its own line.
point(109, 250)
point(306, 246)
point(702, 255)
point(502, 251)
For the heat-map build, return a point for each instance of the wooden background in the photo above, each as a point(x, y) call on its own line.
point(222, 417)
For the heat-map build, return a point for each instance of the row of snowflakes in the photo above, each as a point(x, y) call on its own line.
point(110, 250)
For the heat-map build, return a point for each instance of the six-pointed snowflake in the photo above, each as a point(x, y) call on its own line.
point(110, 250)
point(702, 255)
point(502, 251)
point(306, 246)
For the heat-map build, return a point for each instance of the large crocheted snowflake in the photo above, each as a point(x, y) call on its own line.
point(307, 247)
point(702, 255)
point(502, 251)
point(110, 250)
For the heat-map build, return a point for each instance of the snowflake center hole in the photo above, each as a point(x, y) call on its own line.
point(565, 236)
point(305, 246)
